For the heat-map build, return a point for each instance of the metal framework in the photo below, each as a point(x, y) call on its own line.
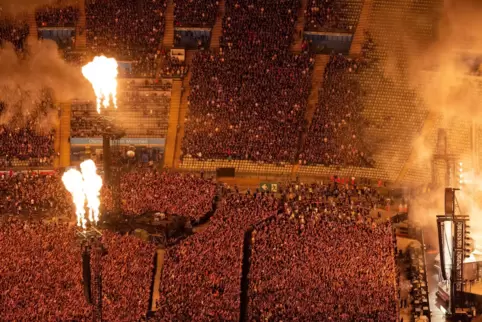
point(458, 251)
point(91, 241)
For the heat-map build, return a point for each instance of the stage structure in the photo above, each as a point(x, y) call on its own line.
point(85, 186)
point(112, 159)
point(90, 240)
point(454, 245)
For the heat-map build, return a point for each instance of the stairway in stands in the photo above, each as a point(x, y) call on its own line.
point(32, 26)
point(168, 39)
point(316, 83)
point(184, 106)
point(217, 30)
point(57, 141)
point(65, 115)
point(299, 27)
point(173, 122)
point(362, 26)
point(81, 30)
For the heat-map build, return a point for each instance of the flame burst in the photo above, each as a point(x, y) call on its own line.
point(72, 180)
point(92, 185)
point(84, 186)
point(102, 74)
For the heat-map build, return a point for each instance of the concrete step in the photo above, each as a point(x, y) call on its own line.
point(168, 39)
point(217, 30)
point(173, 123)
point(64, 135)
point(300, 25)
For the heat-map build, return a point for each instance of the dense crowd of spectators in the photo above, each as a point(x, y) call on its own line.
point(13, 31)
point(50, 16)
point(28, 193)
point(324, 14)
point(126, 30)
point(140, 113)
point(195, 13)
point(167, 192)
point(26, 132)
point(323, 259)
point(248, 101)
point(334, 137)
point(201, 275)
point(172, 66)
point(143, 190)
point(27, 145)
point(41, 273)
point(306, 248)
point(127, 273)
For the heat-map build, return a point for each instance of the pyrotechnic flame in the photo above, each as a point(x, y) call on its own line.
point(102, 74)
point(72, 180)
point(92, 185)
point(84, 186)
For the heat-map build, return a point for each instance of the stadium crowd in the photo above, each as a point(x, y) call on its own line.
point(127, 273)
point(173, 67)
point(324, 245)
point(334, 137)
point(325, 15)
point(248, 101)
point(168, 192)
point(195, 13)
point(26, 144)
point(28, 193)
point(201, 275)
point(41, 273)
point(126, 30)
point(50, 16)
point(13, 31)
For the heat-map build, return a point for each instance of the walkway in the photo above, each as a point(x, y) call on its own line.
point(170, 148)
point(184, 106)
point(362, 26)
point(299, 28)
point(157, 278)
point(168, 39)
point(217, 30)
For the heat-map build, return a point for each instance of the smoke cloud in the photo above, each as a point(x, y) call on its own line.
point(438, 73)
point(25, 77)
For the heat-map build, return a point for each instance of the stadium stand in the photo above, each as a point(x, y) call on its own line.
point(216, 126)
point(142, 113)
point(332, 15)
point(334, 137)
point(133, 32)
point(14, 31)
point(49, 16)
point(195, 13)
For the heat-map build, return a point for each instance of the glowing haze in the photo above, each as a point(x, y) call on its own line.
point(84, 187)
point(102, 74)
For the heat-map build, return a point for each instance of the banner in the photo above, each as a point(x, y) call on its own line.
point(123, 141)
